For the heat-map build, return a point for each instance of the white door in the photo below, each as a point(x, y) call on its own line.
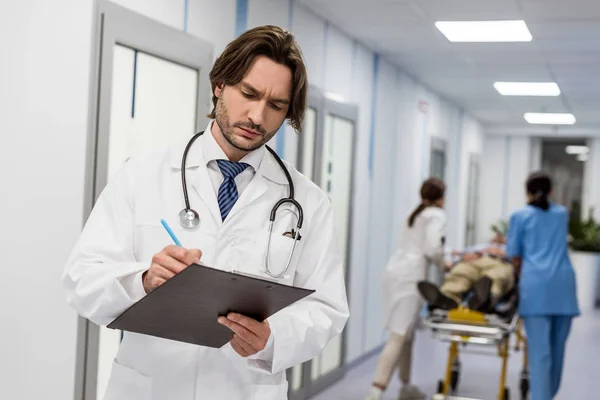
point(153, 104)
point(336, 181)
point(472, 200)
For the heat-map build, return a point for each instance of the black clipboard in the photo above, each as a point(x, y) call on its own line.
point(187, 306)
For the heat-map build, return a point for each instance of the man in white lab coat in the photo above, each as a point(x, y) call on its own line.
point(124, 253)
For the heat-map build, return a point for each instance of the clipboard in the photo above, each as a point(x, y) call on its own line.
point(187, 306)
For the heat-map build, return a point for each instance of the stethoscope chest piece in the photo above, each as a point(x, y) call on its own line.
point(189, 218)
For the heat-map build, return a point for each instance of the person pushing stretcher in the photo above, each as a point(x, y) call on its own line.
point(482, 270)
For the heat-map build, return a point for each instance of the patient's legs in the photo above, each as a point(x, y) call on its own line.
point(450, 294)
point(460, 280)
point(503, 279)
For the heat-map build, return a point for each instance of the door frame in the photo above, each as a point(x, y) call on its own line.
point(438, 145)
point(113, 25)
point(326, 106)
point(472, 198)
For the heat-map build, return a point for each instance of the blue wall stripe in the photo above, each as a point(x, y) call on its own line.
point(459, 137)
point(135, 58)
point(324, 65)
point(425, 148)
point(241, 17)
point(280, 140)
point(373, 108)
point(291, 15)
point(186, 8)
point(353, 67)
point(506, 177)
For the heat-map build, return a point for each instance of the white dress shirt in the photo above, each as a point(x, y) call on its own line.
point(213, 152)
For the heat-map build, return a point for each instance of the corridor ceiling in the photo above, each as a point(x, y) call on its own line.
point(565, 49)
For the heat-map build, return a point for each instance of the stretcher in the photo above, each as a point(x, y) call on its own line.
point(463, 327)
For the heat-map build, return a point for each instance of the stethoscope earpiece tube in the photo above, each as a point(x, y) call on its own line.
point(183, 161)
point(190, 219)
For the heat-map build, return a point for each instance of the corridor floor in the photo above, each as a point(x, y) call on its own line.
point(481, 369)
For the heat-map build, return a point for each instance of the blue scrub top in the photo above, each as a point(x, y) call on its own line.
point(547, 283)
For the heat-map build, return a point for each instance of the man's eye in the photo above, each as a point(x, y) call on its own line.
point(276, 107)
point(248, 95)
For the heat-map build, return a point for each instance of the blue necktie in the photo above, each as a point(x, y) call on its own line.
point(228, 193)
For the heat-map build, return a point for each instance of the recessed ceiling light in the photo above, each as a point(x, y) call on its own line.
point(550, 119)
point(527, 88)
point(335, 97)
point(485, 31)
point(577, 149)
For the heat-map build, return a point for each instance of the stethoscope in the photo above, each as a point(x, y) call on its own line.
point(189, 218)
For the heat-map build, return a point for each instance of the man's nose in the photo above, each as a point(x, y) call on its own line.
point(257, 113)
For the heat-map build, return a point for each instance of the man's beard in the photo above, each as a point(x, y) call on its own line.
point(222, 120)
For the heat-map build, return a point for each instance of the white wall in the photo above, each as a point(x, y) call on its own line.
point(471, 139)
point(505, 168)
point(47, 95)
point(591, 180)
point(43, 101)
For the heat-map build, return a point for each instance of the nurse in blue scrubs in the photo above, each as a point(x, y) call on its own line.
point(537, 244)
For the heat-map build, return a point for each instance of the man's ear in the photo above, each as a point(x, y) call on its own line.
point(218, 89)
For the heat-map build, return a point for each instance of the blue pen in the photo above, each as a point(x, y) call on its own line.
point(164, 223)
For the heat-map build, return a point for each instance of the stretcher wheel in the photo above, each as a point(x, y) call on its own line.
point(524, 388)
point(440, 389)
point(455, 375)
point(524, 384)
point(454, 379)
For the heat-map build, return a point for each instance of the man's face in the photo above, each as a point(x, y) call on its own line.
point(499, 239)
point(250, 113)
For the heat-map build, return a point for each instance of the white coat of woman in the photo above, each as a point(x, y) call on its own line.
point(421, 245)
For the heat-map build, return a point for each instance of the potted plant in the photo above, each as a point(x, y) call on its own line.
point(500, 228)
point(584, 243)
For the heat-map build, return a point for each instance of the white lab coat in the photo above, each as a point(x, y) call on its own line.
point(420, 246)
point(103, 275)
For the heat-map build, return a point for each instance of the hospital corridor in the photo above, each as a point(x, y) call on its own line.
point(300, 199)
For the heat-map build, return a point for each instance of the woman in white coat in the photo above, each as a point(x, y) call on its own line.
point(421, 245)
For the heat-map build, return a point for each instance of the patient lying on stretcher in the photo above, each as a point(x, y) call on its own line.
point(481, 270)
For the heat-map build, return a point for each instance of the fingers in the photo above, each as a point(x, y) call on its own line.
point(254, 333)
point(242, 333)
point(247, 322)
point(163, 273)
point(183, 255)
point(164, 260)
point(246, 347)
point(193, 256)
point(151, 282)
point(238, 347)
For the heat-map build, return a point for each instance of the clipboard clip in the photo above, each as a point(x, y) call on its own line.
point(292, 234)
point(263, 278)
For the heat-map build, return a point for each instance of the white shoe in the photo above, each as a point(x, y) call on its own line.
point(410, 392)
point(375, 394)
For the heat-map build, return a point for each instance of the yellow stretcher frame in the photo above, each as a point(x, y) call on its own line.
point(463, 326)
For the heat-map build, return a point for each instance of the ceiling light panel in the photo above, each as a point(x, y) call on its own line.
point(527, 88)
point(485, 31)
point(550, 118)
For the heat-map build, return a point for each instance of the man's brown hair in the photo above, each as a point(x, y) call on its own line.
point(272, 42)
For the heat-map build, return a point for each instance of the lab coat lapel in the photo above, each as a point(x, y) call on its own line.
point(203, 186)
point(258, 186)
point(197, 177)
point(255, 189)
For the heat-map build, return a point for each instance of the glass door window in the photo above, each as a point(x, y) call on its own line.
point(336, 181)
point(472, 200)
point(153, 104)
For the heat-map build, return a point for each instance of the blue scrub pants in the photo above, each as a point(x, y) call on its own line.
point(546, 341)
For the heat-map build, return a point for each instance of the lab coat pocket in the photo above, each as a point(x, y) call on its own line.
point(127, 384)
point(270, 392)
point(278, 259)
